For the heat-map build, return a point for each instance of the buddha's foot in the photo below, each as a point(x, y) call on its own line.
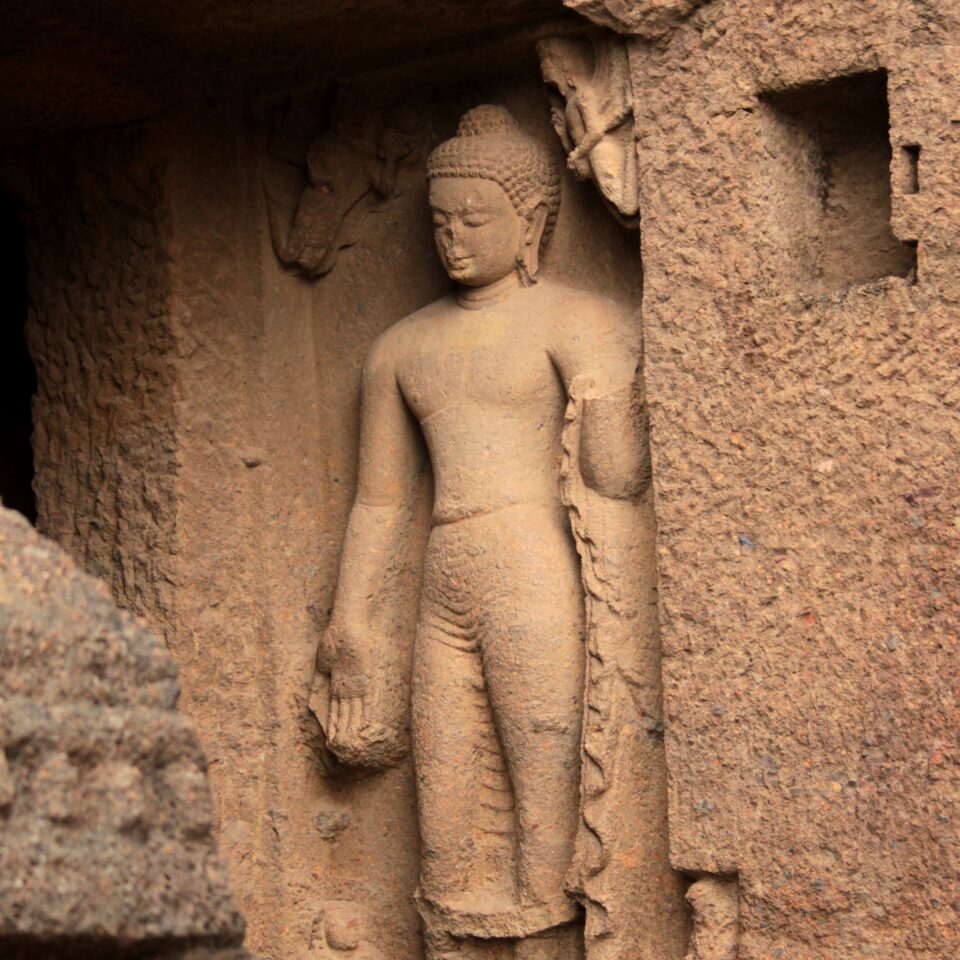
point(559, 943)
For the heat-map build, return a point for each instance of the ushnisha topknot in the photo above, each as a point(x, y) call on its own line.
point(491, 146)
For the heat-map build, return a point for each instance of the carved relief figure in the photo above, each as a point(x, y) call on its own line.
point(525, 395)
point(351, 169)
point(592, 111)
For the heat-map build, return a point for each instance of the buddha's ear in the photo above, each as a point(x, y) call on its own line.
point(530, 253)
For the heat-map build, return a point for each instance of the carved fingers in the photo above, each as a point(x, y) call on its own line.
point(347, 732)
point(346, 723)
point(354, 726)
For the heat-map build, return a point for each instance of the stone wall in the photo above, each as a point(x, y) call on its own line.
point(803, 385)
point(222, 637)
point(99, 333)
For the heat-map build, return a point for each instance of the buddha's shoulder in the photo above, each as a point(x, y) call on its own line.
point(575, 303)
point(408, 332)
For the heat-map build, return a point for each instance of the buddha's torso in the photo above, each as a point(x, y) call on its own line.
point(489, 401)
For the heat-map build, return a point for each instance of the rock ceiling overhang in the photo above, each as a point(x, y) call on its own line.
point(66, 64)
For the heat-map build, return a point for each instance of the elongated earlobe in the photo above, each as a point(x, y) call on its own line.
point(528, 257)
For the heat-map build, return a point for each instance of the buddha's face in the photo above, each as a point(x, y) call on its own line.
point(479, 234)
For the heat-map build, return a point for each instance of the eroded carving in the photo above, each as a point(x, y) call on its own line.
point(318, 208)
point(649, 19)
point(526, 394)
point(715, 904)
point(592, 111)
point(341, 932)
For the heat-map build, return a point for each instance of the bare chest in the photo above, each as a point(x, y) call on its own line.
point(485, 359)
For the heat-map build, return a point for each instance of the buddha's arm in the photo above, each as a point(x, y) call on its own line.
point(387, 476)
point(598, 356)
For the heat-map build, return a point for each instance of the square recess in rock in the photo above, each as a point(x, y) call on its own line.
point(830, 156)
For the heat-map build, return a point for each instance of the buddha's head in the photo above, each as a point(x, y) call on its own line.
point(494, 195)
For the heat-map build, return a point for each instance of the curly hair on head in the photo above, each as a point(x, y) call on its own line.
point(490, 145)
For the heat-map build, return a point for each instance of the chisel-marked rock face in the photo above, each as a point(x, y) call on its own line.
point(104, 805)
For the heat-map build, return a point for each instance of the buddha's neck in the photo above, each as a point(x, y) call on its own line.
point(473, 298)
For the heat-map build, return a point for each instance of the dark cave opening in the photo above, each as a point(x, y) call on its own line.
point(18, 380)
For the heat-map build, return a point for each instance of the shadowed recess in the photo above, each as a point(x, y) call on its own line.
point(18, 381)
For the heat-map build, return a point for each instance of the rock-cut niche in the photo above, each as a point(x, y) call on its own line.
point(830, 152)
point(526, 694)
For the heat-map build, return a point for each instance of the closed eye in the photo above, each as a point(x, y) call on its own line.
point(476, 221)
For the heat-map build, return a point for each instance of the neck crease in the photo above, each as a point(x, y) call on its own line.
point(473, 298)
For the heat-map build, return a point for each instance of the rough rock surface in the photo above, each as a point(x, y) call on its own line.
point(99, 332)
point(647, 19)
point(805, 430)
point(105, 841)
point(804, 405)
point(69, 69)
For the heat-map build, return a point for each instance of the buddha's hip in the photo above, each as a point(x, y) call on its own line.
point(495, 570)
point(532, 489)
point(535, 532)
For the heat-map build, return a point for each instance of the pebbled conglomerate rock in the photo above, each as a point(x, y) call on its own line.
point(105, 820)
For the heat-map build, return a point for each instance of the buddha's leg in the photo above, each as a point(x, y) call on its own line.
point(533, 658)
point(466, 849)
point(444, 743)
